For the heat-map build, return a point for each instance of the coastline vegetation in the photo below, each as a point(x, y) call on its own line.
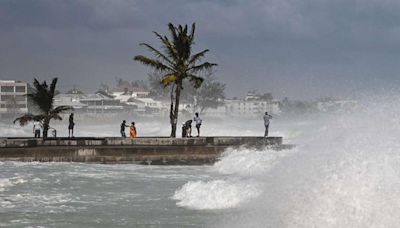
point(42, 97)
point(177, 64)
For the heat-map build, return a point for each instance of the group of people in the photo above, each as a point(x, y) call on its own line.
point(38, 128)
point(132, 130)
point(187, 126)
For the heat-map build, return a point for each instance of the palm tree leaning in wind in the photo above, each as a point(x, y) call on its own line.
point(176, 63)
point(42, 97)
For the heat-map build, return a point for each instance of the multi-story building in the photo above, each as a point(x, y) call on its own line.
point(13, 98)
point(251, 108)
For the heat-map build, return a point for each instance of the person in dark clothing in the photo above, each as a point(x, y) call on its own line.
point(188, 126)
point(123, 126)
point(184, 133)
point(71, 125)
point(267, 117)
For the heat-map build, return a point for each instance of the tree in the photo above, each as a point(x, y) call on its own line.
point(139, 84)
point(266, 97)
point(210, 95)
point(104, 88)
point(159, 91)
point(42, 97)
point(177, 64)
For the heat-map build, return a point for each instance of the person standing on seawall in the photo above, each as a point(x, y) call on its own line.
point(267, 117)
point(37, 126)
point(188, 127)
point(71, 126)
point(198, 122)
point(133, 132)
point(123, 126)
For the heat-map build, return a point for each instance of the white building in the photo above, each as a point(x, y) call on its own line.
point(91, 103)
point(251, 108)
point(72, 100)
point(13, 98)
point(125, 93)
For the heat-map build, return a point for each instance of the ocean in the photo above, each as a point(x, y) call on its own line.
point(344, 172)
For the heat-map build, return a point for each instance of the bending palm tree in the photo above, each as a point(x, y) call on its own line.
point(43, 98)
point(177, 64)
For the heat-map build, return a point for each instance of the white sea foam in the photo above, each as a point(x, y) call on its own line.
point(6, 183)
point(216, 194)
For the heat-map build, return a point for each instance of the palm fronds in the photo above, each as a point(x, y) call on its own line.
point(43, 97)
point(25, 119)
point(176, 62)
point(156, 64)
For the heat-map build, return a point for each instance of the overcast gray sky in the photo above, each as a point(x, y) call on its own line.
point(295, 48)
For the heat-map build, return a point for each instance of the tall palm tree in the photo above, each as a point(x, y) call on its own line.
point(42, 97)
point(176, 63)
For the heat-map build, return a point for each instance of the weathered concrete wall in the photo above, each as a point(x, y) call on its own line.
point(166, 151)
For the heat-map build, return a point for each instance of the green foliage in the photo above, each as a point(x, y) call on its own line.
point(42, 96)
point(210, 95)
point(176, 63)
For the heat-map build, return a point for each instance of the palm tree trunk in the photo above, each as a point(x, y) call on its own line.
point(176, 110)
point(171, 108)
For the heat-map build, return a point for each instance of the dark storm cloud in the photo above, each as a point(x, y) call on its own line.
point(59, 14)
point(290, 47)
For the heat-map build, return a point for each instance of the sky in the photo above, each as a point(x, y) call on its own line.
point(301, 49)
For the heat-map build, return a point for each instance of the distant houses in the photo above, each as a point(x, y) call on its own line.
point(251, 106)
point(135, 100)
point(124, 93)
point(90, 103)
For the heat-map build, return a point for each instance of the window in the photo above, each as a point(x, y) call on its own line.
point(13, 106)
point(7, 97)
point(7, 89)
point(20, 98)
point(20, 89)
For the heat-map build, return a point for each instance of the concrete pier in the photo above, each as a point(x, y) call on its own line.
point(146, 150)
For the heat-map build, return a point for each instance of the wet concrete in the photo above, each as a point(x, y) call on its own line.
point(146, 150)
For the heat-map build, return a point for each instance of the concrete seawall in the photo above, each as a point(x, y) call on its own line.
point(146, 150)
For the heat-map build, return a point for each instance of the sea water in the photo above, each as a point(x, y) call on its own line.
point(344, 172)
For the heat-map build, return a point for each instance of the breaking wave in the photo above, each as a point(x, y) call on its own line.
point(345, 173)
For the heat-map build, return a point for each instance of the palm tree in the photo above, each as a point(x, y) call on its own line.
point(42, 97)
point(176, 63)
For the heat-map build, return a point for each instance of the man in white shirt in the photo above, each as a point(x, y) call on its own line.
point(198, 122)
point(36, 129)
point(267, 117)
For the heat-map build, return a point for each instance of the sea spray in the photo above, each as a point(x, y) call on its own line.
point(216, 194)
point(238, 168)
point(345, 174)
point(249, 162)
